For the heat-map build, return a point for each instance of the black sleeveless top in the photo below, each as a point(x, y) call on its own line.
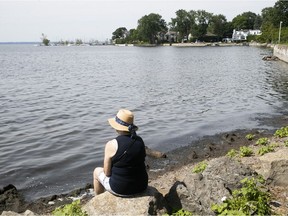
point(128, 173)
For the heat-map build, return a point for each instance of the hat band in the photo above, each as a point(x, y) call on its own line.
point(119, 121)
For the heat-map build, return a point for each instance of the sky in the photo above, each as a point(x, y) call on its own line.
point(26, 20)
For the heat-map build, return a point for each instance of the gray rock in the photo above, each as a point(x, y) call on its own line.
point(26, 213)
point(274, 167)
point(199, 191)
point(151, 202)
point(11, 199)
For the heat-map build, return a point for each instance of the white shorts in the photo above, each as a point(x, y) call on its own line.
point(104, 180)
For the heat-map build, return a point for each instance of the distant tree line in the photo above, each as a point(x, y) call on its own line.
point(201, 25)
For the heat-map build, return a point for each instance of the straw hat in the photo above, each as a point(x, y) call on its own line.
point(123, 121)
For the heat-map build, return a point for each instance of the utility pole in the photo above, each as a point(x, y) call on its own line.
point(279, 38)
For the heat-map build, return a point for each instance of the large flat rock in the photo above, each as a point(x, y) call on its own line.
point(151, 202)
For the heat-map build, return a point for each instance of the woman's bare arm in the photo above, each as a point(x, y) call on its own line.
point(110, 151)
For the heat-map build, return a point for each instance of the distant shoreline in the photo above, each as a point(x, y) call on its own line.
point(154, 45)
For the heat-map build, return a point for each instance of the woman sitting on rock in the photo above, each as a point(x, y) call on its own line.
point(124, 172)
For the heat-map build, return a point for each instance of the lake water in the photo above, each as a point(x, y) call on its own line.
point(55, 102)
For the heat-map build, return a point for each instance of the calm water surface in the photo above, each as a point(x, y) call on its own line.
point(55, 102)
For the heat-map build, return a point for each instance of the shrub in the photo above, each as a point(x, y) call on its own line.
point(71, 209)
point(245, 151)
point(286, 143)
point(182, 212)
point(248, 200)
point(200, 167)
point(250, 136)
point(282, 132)
point(262, 141)
point(265, 149)
point(232, 153)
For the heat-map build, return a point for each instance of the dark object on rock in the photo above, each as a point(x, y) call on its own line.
point(212, 147)
point(230, 137)
point(270, 58)
point(155, 154)
point(192, 155)
point(11, 200)
point(276, 203)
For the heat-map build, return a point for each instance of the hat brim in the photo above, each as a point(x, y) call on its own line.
point(117, 126)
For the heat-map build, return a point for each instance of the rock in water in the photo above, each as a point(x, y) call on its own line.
point(11, 200)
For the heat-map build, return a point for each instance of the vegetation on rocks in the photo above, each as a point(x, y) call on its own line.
point(266, 149)
point(200, 167)
point(181, 212)
point(245, 151)
point(262, 141)
point(70, 209)
point(250, 136)
point(232, 153)
point(251, 199)
point(282, 132)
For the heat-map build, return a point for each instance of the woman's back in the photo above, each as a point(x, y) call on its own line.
point(129, 174)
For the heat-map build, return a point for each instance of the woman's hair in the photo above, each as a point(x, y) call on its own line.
point(123, 132)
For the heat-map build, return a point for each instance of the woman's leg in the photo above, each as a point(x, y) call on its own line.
point(98, 187)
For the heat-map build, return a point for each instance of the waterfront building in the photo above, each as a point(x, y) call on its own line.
point(243, 34)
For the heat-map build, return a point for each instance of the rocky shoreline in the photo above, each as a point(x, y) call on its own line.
point(163, 172)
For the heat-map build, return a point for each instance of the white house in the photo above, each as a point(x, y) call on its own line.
point(171, 36)
point(242, 34)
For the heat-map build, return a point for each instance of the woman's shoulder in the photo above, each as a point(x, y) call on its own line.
point(112, 144)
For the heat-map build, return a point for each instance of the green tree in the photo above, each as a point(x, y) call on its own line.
point(182, 23)
point(132, 36)
point(44, 39)
point(268, 15)
point(78, 42)
point(228, 30)
point(202, 19)
point(120, 33)
point(257, 22)
point(281, 13)
point(244, 21)
point(217, 25)
point(271, 18)
point(151, 28)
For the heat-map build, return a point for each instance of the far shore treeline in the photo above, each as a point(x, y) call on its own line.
point(201, 26)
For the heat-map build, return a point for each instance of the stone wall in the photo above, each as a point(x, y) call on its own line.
point(281, 51)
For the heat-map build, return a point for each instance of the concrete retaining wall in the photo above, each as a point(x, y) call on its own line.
point(281, 51)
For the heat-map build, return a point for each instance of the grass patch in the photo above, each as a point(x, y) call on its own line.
point(200, 167)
